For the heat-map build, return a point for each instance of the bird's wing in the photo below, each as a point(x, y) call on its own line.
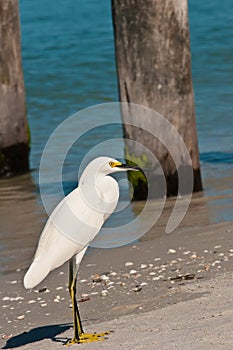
point(69, 229)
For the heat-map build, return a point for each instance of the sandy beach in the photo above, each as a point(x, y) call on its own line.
point(172, 292)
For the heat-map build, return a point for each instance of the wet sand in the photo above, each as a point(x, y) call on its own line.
point(22, 215)
point(171, 292)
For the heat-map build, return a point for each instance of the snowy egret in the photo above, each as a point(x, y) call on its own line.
point(74, 223)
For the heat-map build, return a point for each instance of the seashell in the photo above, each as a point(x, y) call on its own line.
point(194, 256)
point(16, 299)
point(157, 259)
point(137, 288)
point(94, 293)
point(113, 273)
point(110, 287)
point(21, 317)
point(5, 337)
point(143, 266)
point(157, 278)
point(96, 278)
point(187, 252)
point(104, 293)
point(143, 284)
point(104, 278)
point(173, 262)
point(110, 283)
point(85, 297)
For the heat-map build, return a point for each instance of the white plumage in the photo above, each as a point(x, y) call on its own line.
point(77, 219)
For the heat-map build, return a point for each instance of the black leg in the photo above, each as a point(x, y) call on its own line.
point(78, 329)
point(79, 335)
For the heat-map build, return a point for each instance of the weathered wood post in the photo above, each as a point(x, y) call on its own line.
point(153, 60)
point(14, 136)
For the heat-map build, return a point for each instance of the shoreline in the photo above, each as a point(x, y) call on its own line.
point(114, 284)
point(213, 205)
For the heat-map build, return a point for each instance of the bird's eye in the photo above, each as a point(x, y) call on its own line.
point(112, 164)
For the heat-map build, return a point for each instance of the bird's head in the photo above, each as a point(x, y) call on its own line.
point(99, 190)
point(100, 167)
point(107, 165)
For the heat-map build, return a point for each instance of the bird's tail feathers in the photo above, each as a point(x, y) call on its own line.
point(35, 274)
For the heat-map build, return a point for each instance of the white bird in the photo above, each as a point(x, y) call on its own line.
point(73, 224)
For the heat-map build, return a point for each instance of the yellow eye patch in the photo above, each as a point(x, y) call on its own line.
point(114, 164)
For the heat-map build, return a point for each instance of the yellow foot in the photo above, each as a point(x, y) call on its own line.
point(88, 338)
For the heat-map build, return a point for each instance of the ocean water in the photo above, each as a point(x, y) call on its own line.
point(69, 64)
point(212, 56)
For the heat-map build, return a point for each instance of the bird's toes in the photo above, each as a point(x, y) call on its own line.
point(93, 337)
point(88, 338)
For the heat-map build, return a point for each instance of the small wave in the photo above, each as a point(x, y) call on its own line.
point(217, 157)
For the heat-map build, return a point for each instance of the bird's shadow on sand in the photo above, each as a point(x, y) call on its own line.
point(38, 334)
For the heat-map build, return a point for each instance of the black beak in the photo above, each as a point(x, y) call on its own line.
point(129, 167)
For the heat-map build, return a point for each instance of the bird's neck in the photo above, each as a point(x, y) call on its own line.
point(102, 191)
